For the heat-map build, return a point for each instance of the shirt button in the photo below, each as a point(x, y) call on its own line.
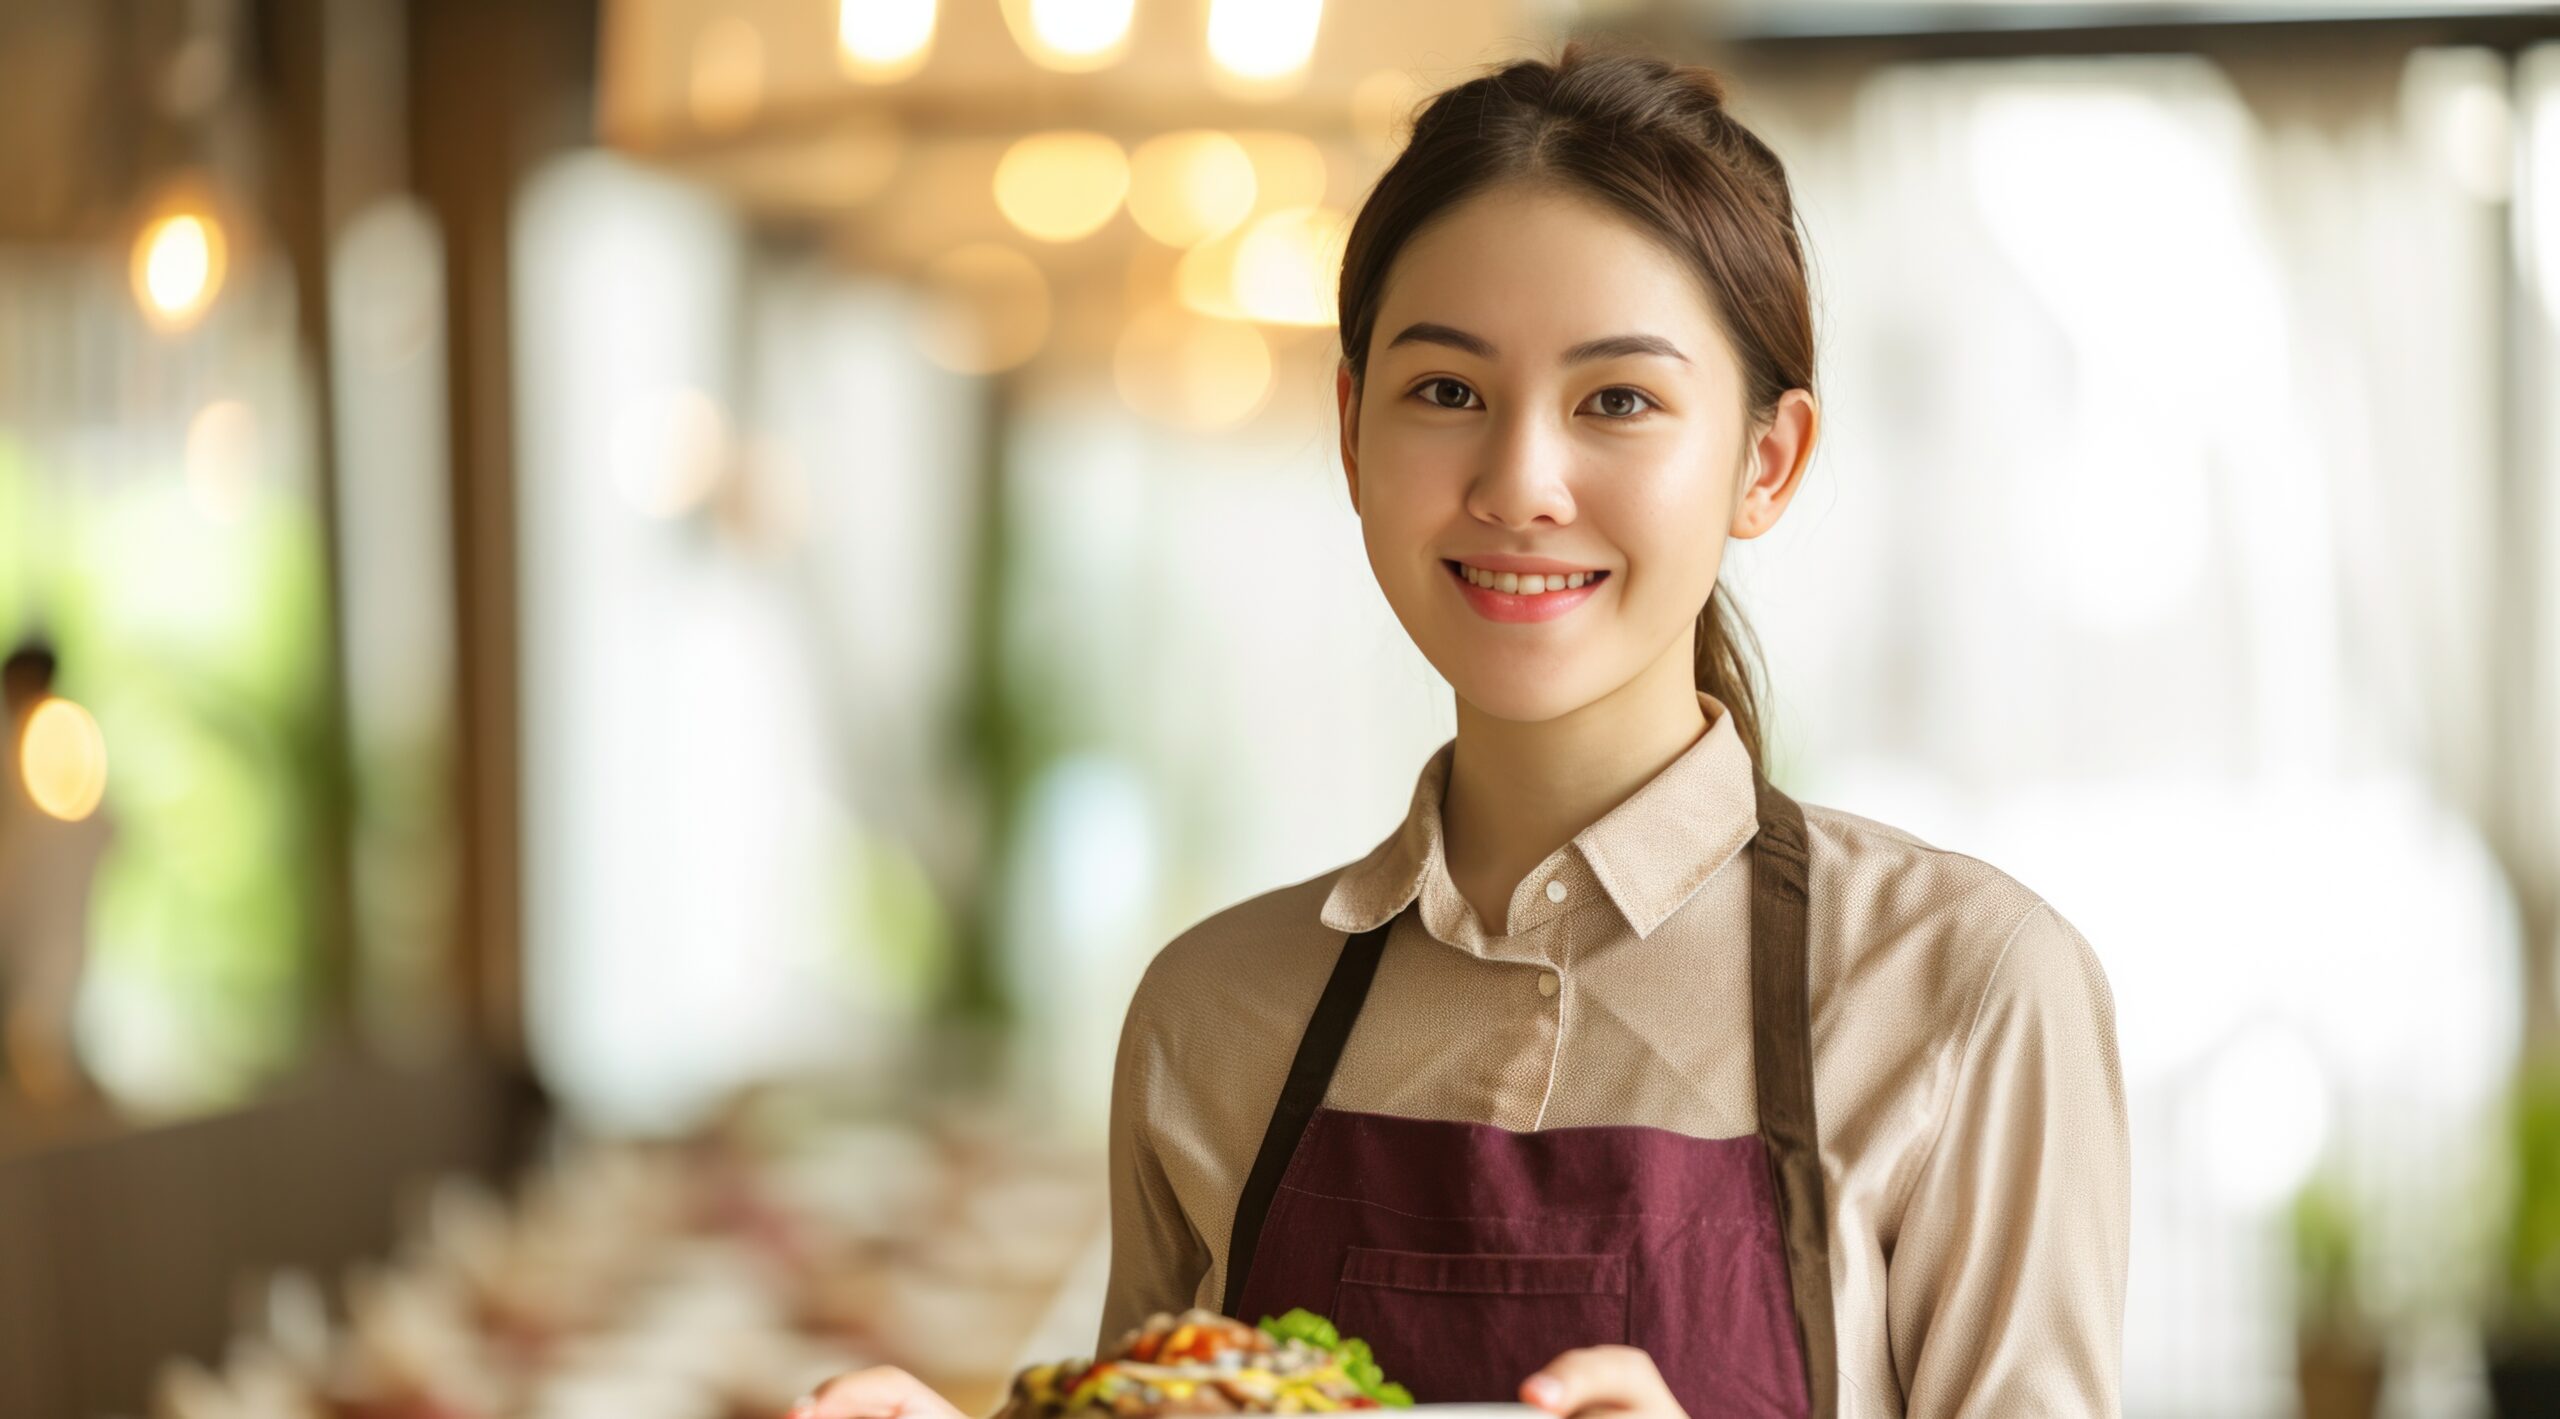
point(1546, 983)
point(1555, 889)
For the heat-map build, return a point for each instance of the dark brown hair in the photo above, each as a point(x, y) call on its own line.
point(1653, 140)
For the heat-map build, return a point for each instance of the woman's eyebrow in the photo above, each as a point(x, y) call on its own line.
point(1425, 332)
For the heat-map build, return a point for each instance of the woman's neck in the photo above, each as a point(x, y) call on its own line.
point(1517, 790)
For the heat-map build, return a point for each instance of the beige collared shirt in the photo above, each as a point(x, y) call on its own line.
point(1973, 1128)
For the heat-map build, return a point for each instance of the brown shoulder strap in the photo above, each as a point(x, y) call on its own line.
point(1310, 1076)
point(1782, 1066)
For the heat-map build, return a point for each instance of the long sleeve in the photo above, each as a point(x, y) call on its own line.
point(1157, 1257)
point(2005, 1288)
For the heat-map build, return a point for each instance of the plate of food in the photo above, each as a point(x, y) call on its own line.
point(1200, 1362)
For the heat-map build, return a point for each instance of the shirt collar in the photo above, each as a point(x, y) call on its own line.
point(1649, 854)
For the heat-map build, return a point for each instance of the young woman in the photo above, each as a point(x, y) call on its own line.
point(1614, 1080)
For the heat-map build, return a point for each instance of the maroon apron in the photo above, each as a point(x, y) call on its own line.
point(1469, 1256)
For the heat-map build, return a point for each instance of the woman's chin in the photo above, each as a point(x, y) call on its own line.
point(1522, 694)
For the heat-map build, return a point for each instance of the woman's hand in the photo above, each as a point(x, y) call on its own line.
point(881, 1392)
point(1618, 1381)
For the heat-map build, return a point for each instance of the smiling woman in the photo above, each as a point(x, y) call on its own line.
point(1583, 220)
point(1471, 435)
point(1525, 1097)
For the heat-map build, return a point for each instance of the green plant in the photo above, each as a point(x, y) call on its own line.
point(2327, 1252)
point(2530, 1294)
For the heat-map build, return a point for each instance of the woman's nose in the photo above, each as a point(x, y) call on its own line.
point(1524, 475)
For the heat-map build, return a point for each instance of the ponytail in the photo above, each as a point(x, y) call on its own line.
point(1727, 653)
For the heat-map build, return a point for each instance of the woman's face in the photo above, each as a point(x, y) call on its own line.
point(1549, 391)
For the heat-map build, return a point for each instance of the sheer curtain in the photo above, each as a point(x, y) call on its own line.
point(2149, 555)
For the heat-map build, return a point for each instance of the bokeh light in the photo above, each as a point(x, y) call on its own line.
point(62, 757)
point(881, 41)
point(1070, 36)
point(177, 268)
point(1187, 187)
point(1262, 40)
point(1061, 186)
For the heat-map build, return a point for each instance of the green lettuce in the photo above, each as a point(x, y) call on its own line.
point(1353, 1354)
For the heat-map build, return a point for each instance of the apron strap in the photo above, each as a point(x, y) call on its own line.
point(1782, 1072)
point(1310, 1076)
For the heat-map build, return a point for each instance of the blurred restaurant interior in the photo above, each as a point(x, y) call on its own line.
point(624, 635)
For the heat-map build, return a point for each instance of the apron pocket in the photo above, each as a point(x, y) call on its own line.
point(1468, 1327)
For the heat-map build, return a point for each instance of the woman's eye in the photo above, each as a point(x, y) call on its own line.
point(1437, 392)
point(1617, 401)
point(1620, 402)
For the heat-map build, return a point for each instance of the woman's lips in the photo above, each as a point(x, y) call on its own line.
point(1512, 606)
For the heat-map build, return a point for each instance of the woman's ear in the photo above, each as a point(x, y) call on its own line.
point(1773, 463)
point(1346, 397)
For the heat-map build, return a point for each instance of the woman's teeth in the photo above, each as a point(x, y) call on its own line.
point(1524, 584)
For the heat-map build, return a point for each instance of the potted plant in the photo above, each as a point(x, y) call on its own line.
point(2522, 1338)
point(2338, 1357)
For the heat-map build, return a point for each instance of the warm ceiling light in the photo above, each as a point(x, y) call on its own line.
point(1072, 36)
point(1185, 188)
point(177, 268)
point(1263, 39)
point(882, 40)
point(986, 308)
point(1061, 186)
point(62, 759)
